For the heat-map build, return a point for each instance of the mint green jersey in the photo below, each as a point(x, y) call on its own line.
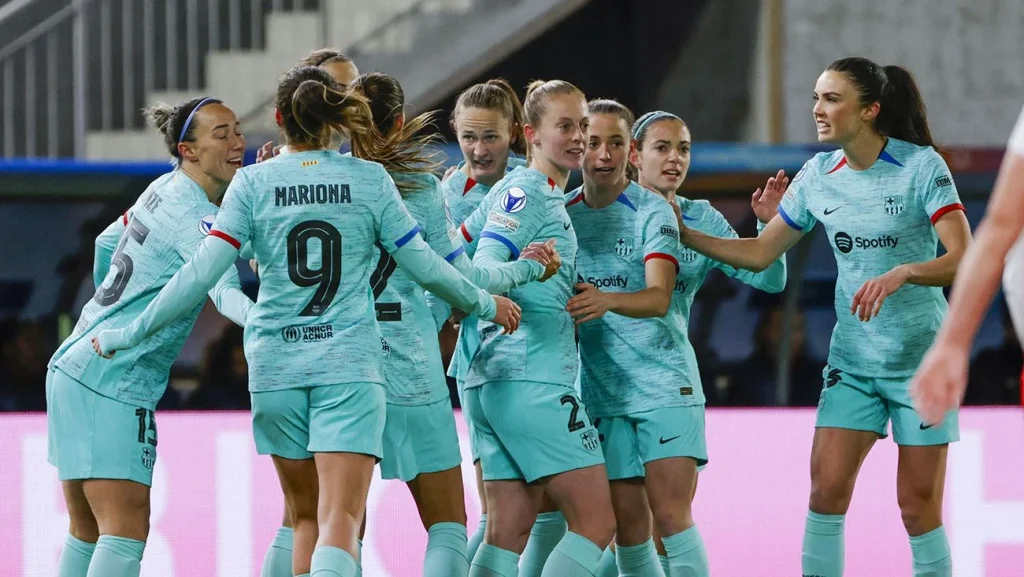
point(628, 365)
point(524, 207)
point(153, 240)
point(877, 219)
point(317, 221)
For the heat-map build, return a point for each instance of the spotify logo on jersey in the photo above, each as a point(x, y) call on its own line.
point(843, 242)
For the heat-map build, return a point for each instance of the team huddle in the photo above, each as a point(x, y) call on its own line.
point(579, 384)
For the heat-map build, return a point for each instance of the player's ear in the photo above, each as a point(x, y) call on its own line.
point(870, 112)
point(531, 135)
point(186, 152)
point(634, 155)
point(278, 119)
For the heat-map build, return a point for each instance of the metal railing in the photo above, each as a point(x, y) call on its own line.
point(116, 53)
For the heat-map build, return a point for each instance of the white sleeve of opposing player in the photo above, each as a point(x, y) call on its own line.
point(1016, 143)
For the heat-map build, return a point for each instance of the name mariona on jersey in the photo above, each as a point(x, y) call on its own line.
point(303, 194)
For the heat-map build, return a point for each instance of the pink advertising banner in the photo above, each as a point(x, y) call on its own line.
point(216, 504)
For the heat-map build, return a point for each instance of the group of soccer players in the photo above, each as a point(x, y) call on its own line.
point(580, 386)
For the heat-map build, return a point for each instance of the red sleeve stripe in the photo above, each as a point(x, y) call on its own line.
point(465, 233)
point(124, 218)
point(227, 238)
point(663, 255)
point(947, 209)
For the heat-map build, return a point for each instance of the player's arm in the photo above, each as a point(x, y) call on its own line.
point(184, 291)
point(106, 245)
point(753, 254)
point(230, 300)
point(771, 279)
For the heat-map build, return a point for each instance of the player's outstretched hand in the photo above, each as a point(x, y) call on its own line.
point(869, 298)
point(588, 304)
point(508, 315)
point(546, 254)
point(98, 347)
point(766, 202)
point(449, 172)
point(939, 384)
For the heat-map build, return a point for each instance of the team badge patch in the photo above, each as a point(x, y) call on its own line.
point(624, 247)
point(148, 457)
point(206, 224)
point(514, 200)
point(894, 205)
point(590, 440)
point(687, 254)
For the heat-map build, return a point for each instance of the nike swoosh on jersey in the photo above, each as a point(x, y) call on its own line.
point(663, 440)
point(828, 212)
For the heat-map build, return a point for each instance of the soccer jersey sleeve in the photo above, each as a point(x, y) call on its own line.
point(182, 293)
point(234, 220)
point(771, 279)
point(106, 244)
point(661, 234)
point(793, 208)
point(936, 185)
point(515, 218)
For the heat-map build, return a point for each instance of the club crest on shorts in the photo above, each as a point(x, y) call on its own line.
point(206, 224)
point(514, 199)
point(590, 440)
point(894, 205)
point(148, 457)
point(624, 247)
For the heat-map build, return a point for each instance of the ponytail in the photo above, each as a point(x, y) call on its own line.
point(311, 106)
point(902, 113)
point(405, 152)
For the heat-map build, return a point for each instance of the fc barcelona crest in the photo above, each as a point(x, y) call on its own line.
point(687, 254)
point(894, 205)
point(624, 247)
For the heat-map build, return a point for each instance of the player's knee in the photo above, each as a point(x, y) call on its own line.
point(84, 528)
point(920, 508)
point(830, 496)
point(674, 519)
point(509, 531)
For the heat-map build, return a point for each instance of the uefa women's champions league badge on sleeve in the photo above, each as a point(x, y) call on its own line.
point(514, 200)
point(206, 224)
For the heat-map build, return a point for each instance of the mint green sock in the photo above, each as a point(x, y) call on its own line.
point(687, 556)
point(607, 568)
point(574, 556)
point(638, 560)
point(491, 561)
point(664, 565)
point(477, 538)
point(116, 557)
point(75, 557)
point(823, 551)
point(278, 560)
point(359, 561)
point(446, 551)
point(931, 554)
point(547, 532)
point(332, 562)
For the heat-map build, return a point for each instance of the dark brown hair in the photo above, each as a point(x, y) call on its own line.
point(324, 56)
point(311, 106)
point(170, 120)
point(496, 94)
point(405, 152)
point(902, 113)
point(616, 108)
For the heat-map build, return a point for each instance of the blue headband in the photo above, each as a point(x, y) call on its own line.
point(188, 121)
point(649, 118)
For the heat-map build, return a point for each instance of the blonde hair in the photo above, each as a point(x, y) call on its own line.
point(535, 104)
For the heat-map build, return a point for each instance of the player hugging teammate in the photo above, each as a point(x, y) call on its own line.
point(577, 444)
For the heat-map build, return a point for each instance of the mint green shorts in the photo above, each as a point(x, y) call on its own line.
point(870, 403)
point(461, 388)
point(630, 442)
point(528, 430)
point(90, 436)
point(295, 423)
point(419, 439)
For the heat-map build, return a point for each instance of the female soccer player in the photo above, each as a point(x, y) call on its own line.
point(634, 362)
point(312, 341)
point(101, 426)
point(421, 445)
point(939, 384)
point(488, 122)
point(532, 431)
point(885, 199)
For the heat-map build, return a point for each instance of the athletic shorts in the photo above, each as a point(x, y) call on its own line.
point(295, 423)
point(420, 439)
point(630, 442)
point(870, 403)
